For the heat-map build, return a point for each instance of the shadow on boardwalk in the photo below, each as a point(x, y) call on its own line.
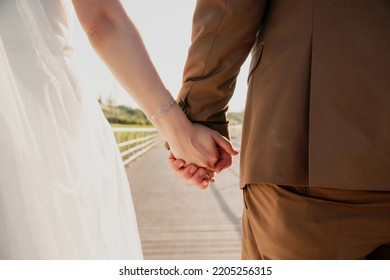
point(180, 222)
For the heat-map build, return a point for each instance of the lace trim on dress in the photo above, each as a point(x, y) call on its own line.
point(63, 49)
point(42, 37)
point(66, 49)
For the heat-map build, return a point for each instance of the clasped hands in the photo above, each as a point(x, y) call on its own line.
point(199, 154)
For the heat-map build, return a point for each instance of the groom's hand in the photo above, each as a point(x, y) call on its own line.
point(224, 161)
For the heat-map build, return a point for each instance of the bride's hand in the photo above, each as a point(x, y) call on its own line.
point(199, 145)
point(191, 142)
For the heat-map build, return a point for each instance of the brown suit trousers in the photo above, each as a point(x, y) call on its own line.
point(282, 222)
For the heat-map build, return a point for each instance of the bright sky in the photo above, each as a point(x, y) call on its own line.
point(165, 27)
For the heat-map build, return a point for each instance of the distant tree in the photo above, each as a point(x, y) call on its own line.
point(100, 100)
point(110, 100)
point(125, 115)
point(111, 108)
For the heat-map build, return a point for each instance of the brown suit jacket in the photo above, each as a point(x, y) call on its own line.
point(318, 104)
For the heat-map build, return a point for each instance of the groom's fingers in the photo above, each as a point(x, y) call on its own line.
point(225, 144)
point(200, 179)
point(175, 164)
point(194, 176)
point(191, 174)
point(222, 164)
point(225, 161)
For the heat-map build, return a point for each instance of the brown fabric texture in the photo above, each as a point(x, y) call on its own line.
point(318, 102)
point(283, 222)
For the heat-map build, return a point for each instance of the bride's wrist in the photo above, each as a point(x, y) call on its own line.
point(172, 122)
point(162, 110)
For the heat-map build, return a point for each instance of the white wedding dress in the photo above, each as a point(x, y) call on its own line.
point(64, 193)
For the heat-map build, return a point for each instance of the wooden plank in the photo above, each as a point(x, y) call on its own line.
point(177, 221)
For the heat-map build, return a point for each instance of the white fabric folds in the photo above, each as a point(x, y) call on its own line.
point(64, 193)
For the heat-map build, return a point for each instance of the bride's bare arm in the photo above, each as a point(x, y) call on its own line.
point(117, 41)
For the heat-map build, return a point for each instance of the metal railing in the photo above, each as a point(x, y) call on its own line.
point(134, 142)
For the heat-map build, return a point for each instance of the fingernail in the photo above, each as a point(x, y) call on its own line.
point(205, 184)
point(192, 169)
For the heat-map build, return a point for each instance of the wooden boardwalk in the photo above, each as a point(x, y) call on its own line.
point(177, 221)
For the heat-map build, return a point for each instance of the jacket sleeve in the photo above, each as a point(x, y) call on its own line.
point(223, 34)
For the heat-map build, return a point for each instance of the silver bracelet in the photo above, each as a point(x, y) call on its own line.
point(162, 110)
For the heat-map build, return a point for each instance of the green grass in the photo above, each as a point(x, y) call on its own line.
point(126, 136)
